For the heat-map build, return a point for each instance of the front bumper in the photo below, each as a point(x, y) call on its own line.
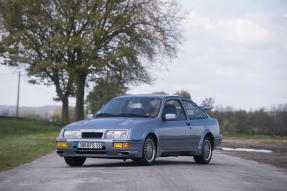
point(107, 151)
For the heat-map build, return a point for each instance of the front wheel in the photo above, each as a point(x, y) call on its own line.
point(149, 151)
point(136, 159)
point(75, 161)
point(206, 152)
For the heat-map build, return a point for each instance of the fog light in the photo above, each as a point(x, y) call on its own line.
point(61, 144)
point(121, 145)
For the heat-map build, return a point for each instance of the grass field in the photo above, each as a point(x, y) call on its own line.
point(22, 140)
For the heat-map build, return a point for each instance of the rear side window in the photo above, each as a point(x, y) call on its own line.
point(192, 111)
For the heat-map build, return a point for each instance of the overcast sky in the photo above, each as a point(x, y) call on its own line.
point(234, 51)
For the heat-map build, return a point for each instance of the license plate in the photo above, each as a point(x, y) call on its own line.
point(89, 145)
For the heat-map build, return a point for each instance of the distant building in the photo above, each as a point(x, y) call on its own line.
point(5, 112)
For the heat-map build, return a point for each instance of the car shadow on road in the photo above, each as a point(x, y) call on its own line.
point(136, 164)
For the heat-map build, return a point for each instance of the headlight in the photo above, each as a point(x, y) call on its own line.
point(72, 134)
point(117, 134)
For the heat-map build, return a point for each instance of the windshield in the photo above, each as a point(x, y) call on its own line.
point(131, 107)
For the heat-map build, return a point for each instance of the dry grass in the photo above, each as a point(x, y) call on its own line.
point(278, 157)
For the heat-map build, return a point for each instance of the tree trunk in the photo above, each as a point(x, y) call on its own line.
point(80, 96)
point(65, 110)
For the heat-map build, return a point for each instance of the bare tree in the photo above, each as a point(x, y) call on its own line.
point(208, 101)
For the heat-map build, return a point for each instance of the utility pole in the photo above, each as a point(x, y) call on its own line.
point(18, 94)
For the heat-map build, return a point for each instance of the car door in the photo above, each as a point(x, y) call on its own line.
point(198, 122)
point(174, 135)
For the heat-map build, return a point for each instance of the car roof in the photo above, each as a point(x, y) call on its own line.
point(154, 96)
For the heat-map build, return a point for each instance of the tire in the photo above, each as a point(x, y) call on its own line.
point(149, 151)
point(206, 152)
point(75, 161)
point(136, 159)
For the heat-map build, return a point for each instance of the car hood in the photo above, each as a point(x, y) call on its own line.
point(108, 123)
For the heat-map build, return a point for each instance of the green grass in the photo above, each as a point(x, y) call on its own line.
point(237, 135)
point(20, 127)
point(22, 140)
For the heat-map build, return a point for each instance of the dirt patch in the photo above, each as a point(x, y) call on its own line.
point(271, 144)
point(278, 156)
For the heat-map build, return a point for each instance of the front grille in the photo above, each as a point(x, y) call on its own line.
point(91, 135)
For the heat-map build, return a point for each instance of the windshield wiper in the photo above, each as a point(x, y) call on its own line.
point(105, 115)
point(131, 115)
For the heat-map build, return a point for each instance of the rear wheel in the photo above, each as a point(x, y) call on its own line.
point(149, 151)
point(206, 152)
point(75, 161)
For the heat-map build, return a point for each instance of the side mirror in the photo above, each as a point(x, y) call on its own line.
point(206, 107)
point(169, 117)
point(90, 116)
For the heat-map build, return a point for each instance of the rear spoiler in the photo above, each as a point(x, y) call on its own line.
point(206, 107)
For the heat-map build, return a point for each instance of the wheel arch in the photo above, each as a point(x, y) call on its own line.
point(210, 135)
point(153, 134)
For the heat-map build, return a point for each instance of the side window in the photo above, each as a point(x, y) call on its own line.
point(192, 111)
point(174, 107)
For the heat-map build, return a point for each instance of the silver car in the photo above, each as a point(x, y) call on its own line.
point(141, 128)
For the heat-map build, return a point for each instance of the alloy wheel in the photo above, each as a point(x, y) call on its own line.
point(207, 149)
point(149, 150)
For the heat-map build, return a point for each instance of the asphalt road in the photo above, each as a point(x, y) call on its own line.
point(175, 173)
